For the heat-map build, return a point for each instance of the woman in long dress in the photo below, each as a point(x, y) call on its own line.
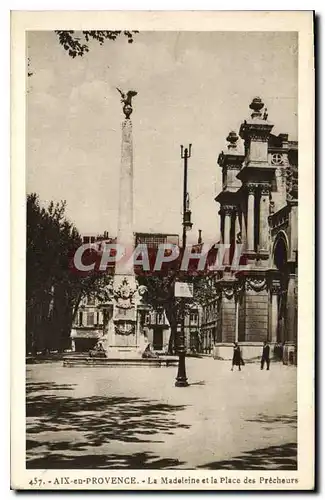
point(237, 358)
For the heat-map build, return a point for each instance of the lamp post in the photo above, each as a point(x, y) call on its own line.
point(181, 379)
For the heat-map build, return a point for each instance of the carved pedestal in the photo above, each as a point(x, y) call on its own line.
point(125, 332)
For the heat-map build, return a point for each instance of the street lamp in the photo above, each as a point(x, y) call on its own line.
point(181, 379)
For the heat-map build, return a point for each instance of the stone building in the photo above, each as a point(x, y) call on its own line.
point(258, 209)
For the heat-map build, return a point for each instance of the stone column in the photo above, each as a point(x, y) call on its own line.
point(291, 309)
point(264, 213)
point(237, 224)
point(250, 216)
point(237, 319)
point(227, 228)
point(275, 290)
point(238, 296)
point(243, 229)
point(221, 213)
point(228, 313)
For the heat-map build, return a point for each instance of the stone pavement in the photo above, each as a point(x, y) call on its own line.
point(135, 418)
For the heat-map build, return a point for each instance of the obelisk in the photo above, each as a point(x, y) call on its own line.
point(124, 335)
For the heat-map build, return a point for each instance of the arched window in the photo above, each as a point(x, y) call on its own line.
point(280, 258)
point(280, 253)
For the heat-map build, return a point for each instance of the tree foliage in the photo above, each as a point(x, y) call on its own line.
point(77, 43)
point(53, 288)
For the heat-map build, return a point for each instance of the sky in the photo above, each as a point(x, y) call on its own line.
point(193, 87)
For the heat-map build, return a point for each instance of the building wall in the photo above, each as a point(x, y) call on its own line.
point(228, 319)
point(256, 316)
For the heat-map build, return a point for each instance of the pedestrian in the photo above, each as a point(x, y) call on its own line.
point(237, 359)
point(265, 356)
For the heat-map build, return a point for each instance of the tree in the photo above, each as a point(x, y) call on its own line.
point(53, 288)
point(77, 45)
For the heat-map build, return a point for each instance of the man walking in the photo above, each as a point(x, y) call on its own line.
point(265, 356)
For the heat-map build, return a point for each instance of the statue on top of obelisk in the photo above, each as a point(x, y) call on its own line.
point(126, 99)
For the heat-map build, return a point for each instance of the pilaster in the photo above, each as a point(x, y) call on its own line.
point(264, 210)
point(251, 190)
point(275, 290)
point(228, 310)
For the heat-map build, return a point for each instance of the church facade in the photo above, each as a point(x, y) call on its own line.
point(258, 210)
point(91, 319)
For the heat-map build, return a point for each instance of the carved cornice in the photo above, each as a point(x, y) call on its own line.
point(256, 131)
point(232, 160)
point(234, 165)
point(261, 133)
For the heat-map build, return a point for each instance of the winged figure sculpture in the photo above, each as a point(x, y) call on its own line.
point(126, 100)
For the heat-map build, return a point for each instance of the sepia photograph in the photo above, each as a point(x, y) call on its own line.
point(160, 309)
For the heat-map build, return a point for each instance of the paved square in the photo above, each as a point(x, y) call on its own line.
point(135, 418)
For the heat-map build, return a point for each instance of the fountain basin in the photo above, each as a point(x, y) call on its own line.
point(163, 361)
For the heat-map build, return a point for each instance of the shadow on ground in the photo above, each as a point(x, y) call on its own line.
point(283, 457)
point(94, 461)
point(91, 422)
point(278, 419)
